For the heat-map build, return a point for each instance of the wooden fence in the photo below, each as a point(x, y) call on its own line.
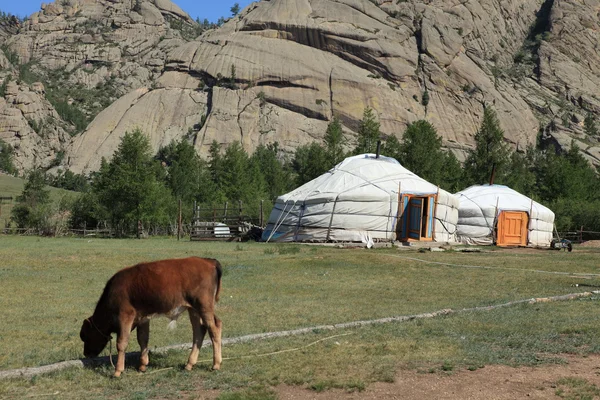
point(224, 223)
point(580, 235)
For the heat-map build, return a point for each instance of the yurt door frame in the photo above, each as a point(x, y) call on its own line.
point(512, 228)
point(416, 217)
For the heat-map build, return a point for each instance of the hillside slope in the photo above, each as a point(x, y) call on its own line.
point(282, 69)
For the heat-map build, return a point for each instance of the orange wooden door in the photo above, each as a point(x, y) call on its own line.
point(512, 228)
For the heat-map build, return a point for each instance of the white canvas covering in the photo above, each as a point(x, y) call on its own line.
point(356, 201)
point(481, 205)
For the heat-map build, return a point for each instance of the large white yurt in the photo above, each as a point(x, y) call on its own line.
point(497, 214)
point(358, 201)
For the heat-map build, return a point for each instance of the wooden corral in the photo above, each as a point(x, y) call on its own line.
point(224, 223)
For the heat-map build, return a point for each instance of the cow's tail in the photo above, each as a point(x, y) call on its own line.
point(219, 275)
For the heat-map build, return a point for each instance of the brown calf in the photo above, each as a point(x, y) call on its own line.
point(166, 287)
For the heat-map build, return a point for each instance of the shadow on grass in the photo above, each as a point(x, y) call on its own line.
point(158, 361)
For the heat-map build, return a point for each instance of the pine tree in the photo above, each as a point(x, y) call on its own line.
point(184, 172)
point(421, 151)
point(490, 150)
point(368, 133)
point(6, 158)
point(215, 163)
point(335, 142)
point(277, 176)
point(128, 187)
point(235, 182)
point(391, 147)
point(33, 205)
point(521, 176)
point(589, 125)
point(235, 9)
point(309, 162)
point(452, 173)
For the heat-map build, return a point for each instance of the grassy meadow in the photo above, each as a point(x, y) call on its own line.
point(13, 187)
point(49, 285)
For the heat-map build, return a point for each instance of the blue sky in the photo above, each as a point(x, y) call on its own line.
point(211, 9)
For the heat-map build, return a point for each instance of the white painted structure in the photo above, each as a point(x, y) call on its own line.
point(358, 201)
point(483, 208)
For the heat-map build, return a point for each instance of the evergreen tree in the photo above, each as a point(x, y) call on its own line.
point(276, 175)
point(368, 133)
point(68, 180)
point(567, 176)
point(521, 176)
point(310, 161)
point(421, 151)
point(215, 166)
point(490, 150)
point(335, 142)
point(128, 187)
point(186, 172)
point(87, 212)
point(235, 182)
point(452, 173)
point(235, 9)
point(391, 147)
point(6, 158)
point(589, 125)
point(232, 78)
point(33, 205)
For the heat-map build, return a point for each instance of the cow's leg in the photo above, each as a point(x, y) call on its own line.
point(214, 326)
point(143, 336)
point(199, 330)
point(217, 359)
point(122, 341)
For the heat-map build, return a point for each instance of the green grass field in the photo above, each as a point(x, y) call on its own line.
point(49, 285)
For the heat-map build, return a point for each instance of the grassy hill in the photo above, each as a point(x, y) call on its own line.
point(12, 187)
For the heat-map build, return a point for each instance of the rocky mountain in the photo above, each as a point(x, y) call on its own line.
point(88, 54)
point(282, 69)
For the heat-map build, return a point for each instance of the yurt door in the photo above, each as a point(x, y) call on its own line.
point(416, 218)
point(512, 228)
point(415, 213)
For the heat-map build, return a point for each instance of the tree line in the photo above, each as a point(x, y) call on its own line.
point(136, 185)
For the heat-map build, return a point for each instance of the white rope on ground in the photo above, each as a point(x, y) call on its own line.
point(273, 353)
point(539, 271)
point(29, 372)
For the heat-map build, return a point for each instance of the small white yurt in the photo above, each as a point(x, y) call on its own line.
point(497, 214)
point(364, 198)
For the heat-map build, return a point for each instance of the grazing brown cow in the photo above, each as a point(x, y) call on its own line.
point(166, 287)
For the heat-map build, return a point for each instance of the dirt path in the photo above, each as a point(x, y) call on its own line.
point(489, 383)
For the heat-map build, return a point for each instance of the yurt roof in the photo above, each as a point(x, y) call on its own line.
point(503, 197)
point(363, 177)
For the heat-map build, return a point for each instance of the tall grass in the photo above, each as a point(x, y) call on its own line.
point(49, 285)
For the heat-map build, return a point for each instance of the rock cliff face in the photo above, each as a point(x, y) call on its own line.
point(282, 69)
point(90, 53)
point(30, 124)
point(322, 58)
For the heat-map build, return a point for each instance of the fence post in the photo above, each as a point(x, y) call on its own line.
point(261, 214)
point(179, 222)
point(581, 234)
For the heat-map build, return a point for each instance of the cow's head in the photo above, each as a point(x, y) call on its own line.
point(94, 341)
